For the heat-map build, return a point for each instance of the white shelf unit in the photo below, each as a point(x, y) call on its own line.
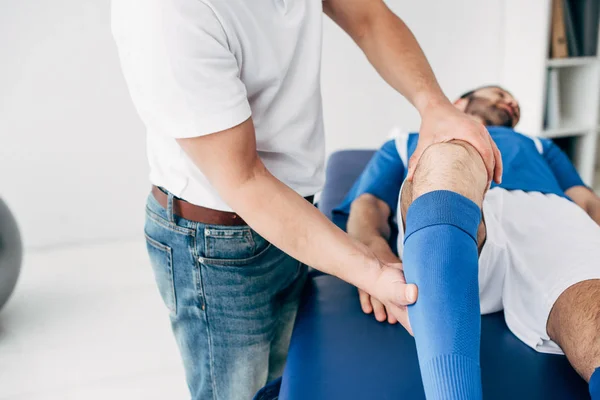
point(525, 69)
point(571, 61)
point(567, 130)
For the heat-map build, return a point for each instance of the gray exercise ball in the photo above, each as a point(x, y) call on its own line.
point(11, 253)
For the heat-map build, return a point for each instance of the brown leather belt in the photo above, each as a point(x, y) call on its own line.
point(201, 214)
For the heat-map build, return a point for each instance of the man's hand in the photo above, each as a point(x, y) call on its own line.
point(395, 295)
point(442, 122)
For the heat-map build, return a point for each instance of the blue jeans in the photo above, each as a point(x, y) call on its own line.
point(232, 299)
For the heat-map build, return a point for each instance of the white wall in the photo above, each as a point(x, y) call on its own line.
point(72, 162)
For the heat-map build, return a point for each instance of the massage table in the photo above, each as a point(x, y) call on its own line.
point(339, 353)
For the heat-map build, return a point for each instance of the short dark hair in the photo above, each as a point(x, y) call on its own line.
point(470, 93)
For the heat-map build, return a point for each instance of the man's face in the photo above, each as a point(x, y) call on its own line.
point(493, 105)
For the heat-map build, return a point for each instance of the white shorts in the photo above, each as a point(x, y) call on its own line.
point(537, 246)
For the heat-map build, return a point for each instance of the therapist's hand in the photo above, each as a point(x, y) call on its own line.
point(391, 296)
point(442, 122)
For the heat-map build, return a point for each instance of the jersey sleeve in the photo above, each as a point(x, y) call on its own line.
point(563, 169)
point(382, 178)
point(183, 77)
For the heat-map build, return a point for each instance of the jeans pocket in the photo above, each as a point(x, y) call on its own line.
point(161, 258)
point(233, 246)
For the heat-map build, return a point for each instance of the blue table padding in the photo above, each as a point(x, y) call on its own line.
point(337, 352)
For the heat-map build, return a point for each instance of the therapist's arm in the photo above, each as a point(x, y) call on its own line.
point(394, 52)
point(368, 223)
point(230, 162)
point(585, 198)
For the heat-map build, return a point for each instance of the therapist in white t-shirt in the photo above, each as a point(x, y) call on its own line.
point(229, 92)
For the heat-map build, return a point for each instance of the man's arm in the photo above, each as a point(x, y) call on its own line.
point(569, 179)
point(393, 51)
point(585, 198)
point(368, 223)
point(230, 162)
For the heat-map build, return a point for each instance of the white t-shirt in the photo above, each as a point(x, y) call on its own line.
point(195, 67)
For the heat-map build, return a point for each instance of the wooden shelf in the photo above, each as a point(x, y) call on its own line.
point(565, 131)
point(571, 62)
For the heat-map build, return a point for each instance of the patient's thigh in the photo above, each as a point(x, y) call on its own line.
point(406, 199)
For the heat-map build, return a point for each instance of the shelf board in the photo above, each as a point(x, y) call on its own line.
point(566, 131)
point(571, 61)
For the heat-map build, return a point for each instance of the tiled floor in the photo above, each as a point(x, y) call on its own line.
point(88, 323)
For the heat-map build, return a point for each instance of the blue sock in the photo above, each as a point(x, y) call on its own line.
point(595, 385)
point(441, 258)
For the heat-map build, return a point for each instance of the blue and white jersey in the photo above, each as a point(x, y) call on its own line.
point(531, 164)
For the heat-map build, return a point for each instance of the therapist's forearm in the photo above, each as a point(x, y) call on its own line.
point(230, 162)
point(291, 223)
point(287, 220)
point(393, 50)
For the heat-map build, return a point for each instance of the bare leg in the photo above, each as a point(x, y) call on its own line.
point(464, 163)
point(574, 324)
point(454, 166)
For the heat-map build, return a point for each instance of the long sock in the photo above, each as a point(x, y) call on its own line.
point(595, 385)
point(441, 258)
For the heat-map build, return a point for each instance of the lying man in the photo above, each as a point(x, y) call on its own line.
point(535, 251)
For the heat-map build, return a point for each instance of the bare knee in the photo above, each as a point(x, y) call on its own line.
point(574, 324)
point(454, 166)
